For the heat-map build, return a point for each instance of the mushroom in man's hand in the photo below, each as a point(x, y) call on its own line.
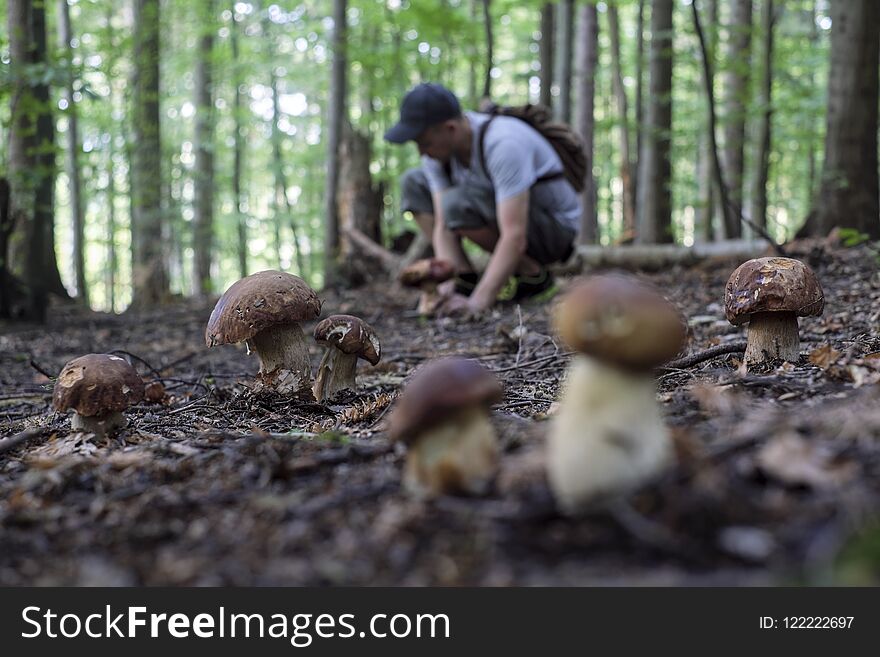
point(346, 339)
point(442, 416)
point(608, 436)
point(426, 275)
point(770, 294)
point(97, 388)
point(265, 310)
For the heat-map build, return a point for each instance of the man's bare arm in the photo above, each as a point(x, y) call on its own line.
point(513, 217)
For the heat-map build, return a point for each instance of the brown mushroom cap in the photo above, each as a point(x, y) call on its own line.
point(351, 335)
point(620, 320)
point(767, 285)
point(256, 302)
point(429, 270)
point(96, 384)
point(438, 389)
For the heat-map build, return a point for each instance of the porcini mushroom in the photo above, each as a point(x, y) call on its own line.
point(97, 388)
point(608, 436)
point(426, 275)
point(264, 310)
point(346, 338)
point(442, 417)
point(770, 294)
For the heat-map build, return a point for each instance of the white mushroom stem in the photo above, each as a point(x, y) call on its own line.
point(459, 455)
point(608, 437)
point(284, 348)
point(336, 372)
point(773, 336)
point(429, 299)
point(100, 425)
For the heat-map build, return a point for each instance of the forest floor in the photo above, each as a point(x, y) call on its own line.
point(778, 480)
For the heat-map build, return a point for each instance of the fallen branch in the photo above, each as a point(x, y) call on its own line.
point(25, 436)
point(389, 261)
point(659, 256)
point(692, 359)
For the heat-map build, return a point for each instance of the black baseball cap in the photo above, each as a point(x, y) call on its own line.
point(424, 106)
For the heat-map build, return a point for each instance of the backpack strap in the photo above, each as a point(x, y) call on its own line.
point(481, 155)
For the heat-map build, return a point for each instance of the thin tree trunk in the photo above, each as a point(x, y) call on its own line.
point(762, 162)
point(588, 37)
point(655, 176)
point(336, 114)
point(564, 57)
point(149, 269)
point(546, 54)
point(848, 194)
point(238, 152)
point(65, 34)
point(640, 76)
point(203, 216)
point(811, 149)
point(705, 210)
point(736, 97)
point(472, 58)
point(112, 264)
point(490, 50)
point(732, 212)
point(626, 160)
point(277, 167)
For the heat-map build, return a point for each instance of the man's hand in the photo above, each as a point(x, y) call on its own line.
point(460, 306)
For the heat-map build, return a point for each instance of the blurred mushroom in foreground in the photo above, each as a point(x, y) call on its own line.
point(346, 339)
point(264, 310)
point(608, 436)
point(770, 294)
point(442, 416)
point(97, 388)
point(427, 275)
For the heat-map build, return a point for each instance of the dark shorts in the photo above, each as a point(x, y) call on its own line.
point(467, 207)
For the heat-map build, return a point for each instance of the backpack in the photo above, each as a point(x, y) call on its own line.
point(566, 142)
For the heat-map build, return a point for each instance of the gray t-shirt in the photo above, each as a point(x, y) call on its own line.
point(516, 156)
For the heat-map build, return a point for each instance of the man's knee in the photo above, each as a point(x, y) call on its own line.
point(415, 192)
point(457, 211)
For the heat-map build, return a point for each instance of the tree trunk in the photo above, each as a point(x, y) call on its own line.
point(640, 106)
point(360, 204)
point(472, 58)
point(31, 160)
point(588, 37)
point(203, 216)
point(336, 114)
point(65, 34)
point(655, 175)
point(490, 50)
point(705, 210)
point(546, 54)
point(149, 269)
point(564, 57)
point(849, 186)
point(736, 97)
point(762, 161)
point(626, 163)
point(238, 152)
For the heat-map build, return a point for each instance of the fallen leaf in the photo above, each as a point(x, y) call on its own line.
point(824, 356)
point(792, 460)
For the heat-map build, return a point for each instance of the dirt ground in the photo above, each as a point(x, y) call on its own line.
point(778, 480)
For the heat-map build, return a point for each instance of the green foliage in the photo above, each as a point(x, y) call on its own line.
point(851, 237)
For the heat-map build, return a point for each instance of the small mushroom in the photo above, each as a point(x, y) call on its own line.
point(264, 310)
point(426, 275)
point(346, 339)
point(770, 294)
point(442, 416)
point(97, 387)
point(608, 436)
